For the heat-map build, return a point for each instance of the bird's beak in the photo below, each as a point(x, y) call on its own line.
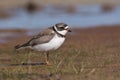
point(68, 30)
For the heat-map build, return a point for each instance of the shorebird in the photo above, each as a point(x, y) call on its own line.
point(49, 39)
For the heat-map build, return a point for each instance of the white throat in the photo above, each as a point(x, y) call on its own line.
point(63, 32)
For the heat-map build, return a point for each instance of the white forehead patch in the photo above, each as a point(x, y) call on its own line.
point(66, 27)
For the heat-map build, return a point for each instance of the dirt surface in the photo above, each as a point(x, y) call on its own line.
point(87, 54)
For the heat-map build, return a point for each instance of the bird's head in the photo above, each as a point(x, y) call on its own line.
point(62, 28)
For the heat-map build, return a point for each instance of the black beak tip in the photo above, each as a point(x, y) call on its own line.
point(70, 31)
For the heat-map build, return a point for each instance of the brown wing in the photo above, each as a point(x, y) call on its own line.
point(43, 37)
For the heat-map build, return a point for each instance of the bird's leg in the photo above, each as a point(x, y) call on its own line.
point(29, 62)
point(47, 58)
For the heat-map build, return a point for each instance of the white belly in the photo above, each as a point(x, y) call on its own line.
point(53, 44)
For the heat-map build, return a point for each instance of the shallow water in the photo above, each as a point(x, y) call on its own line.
point(3, 40)
point(84, 16)
point(5, 36)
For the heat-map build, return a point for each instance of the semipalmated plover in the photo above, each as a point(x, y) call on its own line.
point(49, 39)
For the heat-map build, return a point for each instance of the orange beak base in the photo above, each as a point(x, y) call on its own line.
point(69, 30)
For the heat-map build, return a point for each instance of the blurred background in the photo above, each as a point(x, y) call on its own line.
point(37, 14)
point(33, 14)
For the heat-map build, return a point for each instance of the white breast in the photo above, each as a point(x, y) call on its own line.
point(53, 44)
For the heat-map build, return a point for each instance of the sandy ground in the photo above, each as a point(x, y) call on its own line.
point(87, 54)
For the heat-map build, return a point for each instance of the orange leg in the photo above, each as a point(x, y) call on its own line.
point(47, 58)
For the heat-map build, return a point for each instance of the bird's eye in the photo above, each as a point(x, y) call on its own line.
point(62, 28)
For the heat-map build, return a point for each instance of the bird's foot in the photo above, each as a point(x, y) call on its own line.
point(47, 63)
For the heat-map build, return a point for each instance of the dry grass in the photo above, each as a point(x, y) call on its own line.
point(91, 53)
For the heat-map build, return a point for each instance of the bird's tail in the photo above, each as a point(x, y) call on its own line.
point(17, 47)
